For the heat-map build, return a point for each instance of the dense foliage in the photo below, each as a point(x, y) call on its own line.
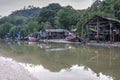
point(33, 19)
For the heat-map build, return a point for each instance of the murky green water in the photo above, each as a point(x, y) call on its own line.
point(65, 61)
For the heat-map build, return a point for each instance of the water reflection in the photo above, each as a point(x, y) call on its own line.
point(44, 46)
point(31, 43)
point(67, 46)
point(101, 61)
point(49, 47)
point(75, 72)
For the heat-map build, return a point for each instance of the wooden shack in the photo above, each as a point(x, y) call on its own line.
point(108, 29)
point(54, 33)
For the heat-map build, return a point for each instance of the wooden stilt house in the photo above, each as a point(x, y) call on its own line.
point(108, 29)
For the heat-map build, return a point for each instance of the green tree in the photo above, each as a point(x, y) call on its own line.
point(15, 30)
point(112, 7)
point(96, 5)
point(116, 9)
point(67, 17)
point(31, 27)
point(4, 19)
point(48, 14)
point(5, 29)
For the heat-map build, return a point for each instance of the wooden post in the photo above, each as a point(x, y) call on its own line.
point(113, 36)
point(119, 37)
point(87, 32)
point(82, 32)
point(98, 30)
point(110, 31)
point(97, 26)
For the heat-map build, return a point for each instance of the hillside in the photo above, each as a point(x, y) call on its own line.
point(22, 16)
point(26, 12)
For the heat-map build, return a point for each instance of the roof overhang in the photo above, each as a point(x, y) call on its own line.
point(102, 21)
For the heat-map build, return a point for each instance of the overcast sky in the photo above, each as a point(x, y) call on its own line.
point(7, 6)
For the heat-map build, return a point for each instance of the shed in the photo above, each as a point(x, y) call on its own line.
point(109, 28)
point(54, 33)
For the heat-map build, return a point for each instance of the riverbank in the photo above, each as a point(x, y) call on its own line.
point(11, 70)
point(93, 43)
point(62, 41)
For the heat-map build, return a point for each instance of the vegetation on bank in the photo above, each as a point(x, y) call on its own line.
point(33, 19)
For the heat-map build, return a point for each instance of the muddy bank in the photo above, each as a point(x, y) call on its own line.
point(11, 70)
point(93, 43)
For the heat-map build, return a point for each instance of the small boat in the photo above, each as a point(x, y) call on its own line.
point(71, 38)
point(32, 39)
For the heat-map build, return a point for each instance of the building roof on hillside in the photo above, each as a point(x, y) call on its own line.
point(73, 30)
point(55, 30)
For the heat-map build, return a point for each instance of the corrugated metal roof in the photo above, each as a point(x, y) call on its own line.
point(93, 20)
point(112, 19)
point(55, 30)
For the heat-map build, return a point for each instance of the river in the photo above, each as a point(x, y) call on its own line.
point(50, 61)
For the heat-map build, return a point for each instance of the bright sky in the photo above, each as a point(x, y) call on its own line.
point(7, 6)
